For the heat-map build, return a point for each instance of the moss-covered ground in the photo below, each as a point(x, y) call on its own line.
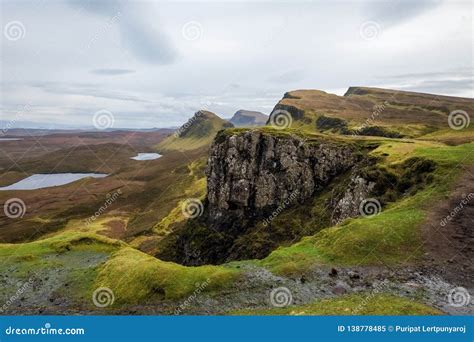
point(380, 304)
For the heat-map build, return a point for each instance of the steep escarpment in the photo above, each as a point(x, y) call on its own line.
point(250, 174)
point(253, 177)
point(268, 188)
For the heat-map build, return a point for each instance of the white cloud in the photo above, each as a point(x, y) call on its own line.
point(132, 59)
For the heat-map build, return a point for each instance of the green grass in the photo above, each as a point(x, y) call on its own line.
point(63, 259)
point(379, 304)
point(58, 243)
point(451, 136)
point(287, 132)
point(449, 156)
point(135, 277)
point(391, 237)
point(198, 132)
point(30, 257)
point(183, 144)
point(197, 189)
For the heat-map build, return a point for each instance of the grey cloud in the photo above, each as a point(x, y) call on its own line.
point(86, 90)
point(112, 72)
point(393, 12)
point(103, 7)
point(144, 40)
point(443, 86)
point(231, 67)
point(446, 82)
point(290, 76)
point(446, 74)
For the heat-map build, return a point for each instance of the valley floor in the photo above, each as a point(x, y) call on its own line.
point(59, 276)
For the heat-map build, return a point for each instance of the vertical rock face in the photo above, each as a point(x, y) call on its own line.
point(251, 173)
point(255, 175)
point(348, 205)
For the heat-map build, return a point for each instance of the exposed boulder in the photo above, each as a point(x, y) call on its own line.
point(358, 190)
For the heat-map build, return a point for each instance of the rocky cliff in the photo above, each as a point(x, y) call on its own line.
point(267, 188)
point(250, 174)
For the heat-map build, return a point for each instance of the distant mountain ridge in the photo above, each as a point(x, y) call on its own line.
point(374, 110)
point(248, 118)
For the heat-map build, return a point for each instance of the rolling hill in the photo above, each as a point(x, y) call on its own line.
point(197, 132)
point(374, 111)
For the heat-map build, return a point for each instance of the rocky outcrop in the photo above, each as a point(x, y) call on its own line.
point(267, 188)
point(252, 173)
point(348, 205)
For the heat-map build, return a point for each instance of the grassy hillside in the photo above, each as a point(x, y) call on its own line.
point(70, 265)
point(198, 132)
point(407, 113)
point(393, 236)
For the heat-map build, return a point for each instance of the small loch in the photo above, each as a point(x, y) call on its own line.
point(146, 156)
point(40, 180)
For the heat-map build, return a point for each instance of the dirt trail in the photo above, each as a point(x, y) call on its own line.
point(449, 234)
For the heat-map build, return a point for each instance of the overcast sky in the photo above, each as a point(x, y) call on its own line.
point(153, 63)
